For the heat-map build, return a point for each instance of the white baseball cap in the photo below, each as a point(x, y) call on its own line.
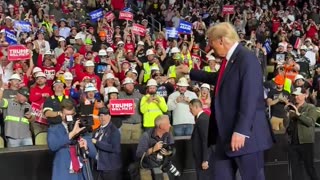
point(61, 39)
point(298, 91)
point(152, 82)
point(36, 69)
point(298, 76)
point(127, 80)
point(15, 77)
point(89, 64)
point(141, 43)
point(90, 87)
point(150, 52)
point(112, 90)
point(102, 52)
point(211, 58)
point(48, 52)
point(109, 49)
point(175, 50)
point(205, 85)
point(67, 76)
point(78, 36)
point(120, 42)
point(183, 82)
point(40, 74)
point(110, 76)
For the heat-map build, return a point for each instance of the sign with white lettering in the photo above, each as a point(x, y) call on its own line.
point(96, 15)
point(138, 29)
point(228, 9)
point(124, 15)
point(185, 27)
point(37, 112)
point(22, 26)
point(11, 37)
point(171, 32)
point(122, 107)
point(18, 52)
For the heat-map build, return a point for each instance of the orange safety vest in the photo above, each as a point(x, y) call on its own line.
point(95, 114)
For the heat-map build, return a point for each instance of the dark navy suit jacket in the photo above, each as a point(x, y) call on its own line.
point(239, 105)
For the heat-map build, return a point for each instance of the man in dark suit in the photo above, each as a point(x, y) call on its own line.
point(199, 139)
point(238, 124)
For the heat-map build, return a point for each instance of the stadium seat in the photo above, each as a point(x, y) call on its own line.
point(1, 142)
point(41, 138)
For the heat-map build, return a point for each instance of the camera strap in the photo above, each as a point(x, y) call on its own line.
point(141, 160)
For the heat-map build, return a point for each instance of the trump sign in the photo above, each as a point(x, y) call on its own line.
point(121, 107)
point(124, 15)
point(138, 30)
point(18, 52)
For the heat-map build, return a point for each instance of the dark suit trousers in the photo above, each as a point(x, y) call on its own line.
point(110, 175)
point(250, 166)
point(202, 174)
point(304, 153)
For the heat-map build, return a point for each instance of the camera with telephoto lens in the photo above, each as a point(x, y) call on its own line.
point(85, 121)
point(167, 165)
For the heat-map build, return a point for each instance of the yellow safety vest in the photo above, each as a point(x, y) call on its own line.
point(207, 69)
point(172, 71)
point(189, 59)
point(147, 71)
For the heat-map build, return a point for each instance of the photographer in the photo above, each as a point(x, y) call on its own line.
point(64, 140)
point(301, 132)
point(155, 149)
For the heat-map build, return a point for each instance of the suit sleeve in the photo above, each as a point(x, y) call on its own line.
point(56, 138)
point(113, 147)
point(203, 132)
point(251, 93)
point(92, 150)
point(202, 76)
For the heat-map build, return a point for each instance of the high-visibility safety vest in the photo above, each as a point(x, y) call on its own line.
point(188, 56)
point(147, 71)
point(172, 71)
point(95, 114)
point(207, 69)
point(287, 84)
point(16, 119)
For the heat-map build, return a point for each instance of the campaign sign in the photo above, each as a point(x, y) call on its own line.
point(23, 26)
point(121, 107)
point(185, 27)
point(18, 52)
point(109, 16)
point(95, 15)
point(124, 15)
point(228, 9)
point(37, 112)
point(11, 37)
point(171, 33)
point(138, 29)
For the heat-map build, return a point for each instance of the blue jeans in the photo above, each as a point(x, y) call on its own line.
point(19, 142)
point(183, 129)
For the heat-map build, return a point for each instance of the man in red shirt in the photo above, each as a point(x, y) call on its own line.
point(89, 67)
point(38, 94)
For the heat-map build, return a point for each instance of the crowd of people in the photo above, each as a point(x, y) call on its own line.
point(92, 62)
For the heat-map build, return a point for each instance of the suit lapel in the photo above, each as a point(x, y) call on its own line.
point(230, 64)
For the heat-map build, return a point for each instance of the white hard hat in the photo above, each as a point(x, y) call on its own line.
point(127, 80)
point(304, 47)
point(150, 52)
point(36, 69)
point(112, 90)
point(68, 76)
point(141, 43)
point(78, 36)
point(298, 76)
point(155, 68)
point(40, 74)
point(183, 82)
point(48, 52)
point(102, 52)
point(109, 49)
point(89, 63)
point(205, 85)
point(110, 76)
point(132, 70)
point(175, 50)
point(78, 2)
point(211, 58)
point(90, 87)
point(61, 39)
point(15, 76)
point(152, 82)
point(120, 42)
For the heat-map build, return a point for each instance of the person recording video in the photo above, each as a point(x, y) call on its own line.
point(71, 145)
point(301, 133)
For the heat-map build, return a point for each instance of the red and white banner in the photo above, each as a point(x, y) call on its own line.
point(139, 29)
point(37, 111)
point(228, 9)
point(121, 106)
point(18, 52)
point(126, 16)
point(109, 16)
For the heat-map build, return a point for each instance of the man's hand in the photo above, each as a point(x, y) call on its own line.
point(76, 129)
point(186, 99)
point(205, 165)
point(165, 152)
point(99, 105)
point(237, 141)
point(179, 99)
point(94, 141)
point(83, 143)
point(157, 146)
point(183, 69)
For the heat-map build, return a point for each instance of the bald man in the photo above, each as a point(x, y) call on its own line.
point(238, 125)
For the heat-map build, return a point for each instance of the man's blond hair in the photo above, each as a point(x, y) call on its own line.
point(223, 30)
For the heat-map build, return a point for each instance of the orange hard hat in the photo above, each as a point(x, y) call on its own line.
point(102, 34)
point(279, 80)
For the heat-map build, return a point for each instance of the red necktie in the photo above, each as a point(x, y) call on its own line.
point(74, 159)
point(221, 71)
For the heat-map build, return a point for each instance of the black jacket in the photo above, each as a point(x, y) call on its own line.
point(199, 139)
